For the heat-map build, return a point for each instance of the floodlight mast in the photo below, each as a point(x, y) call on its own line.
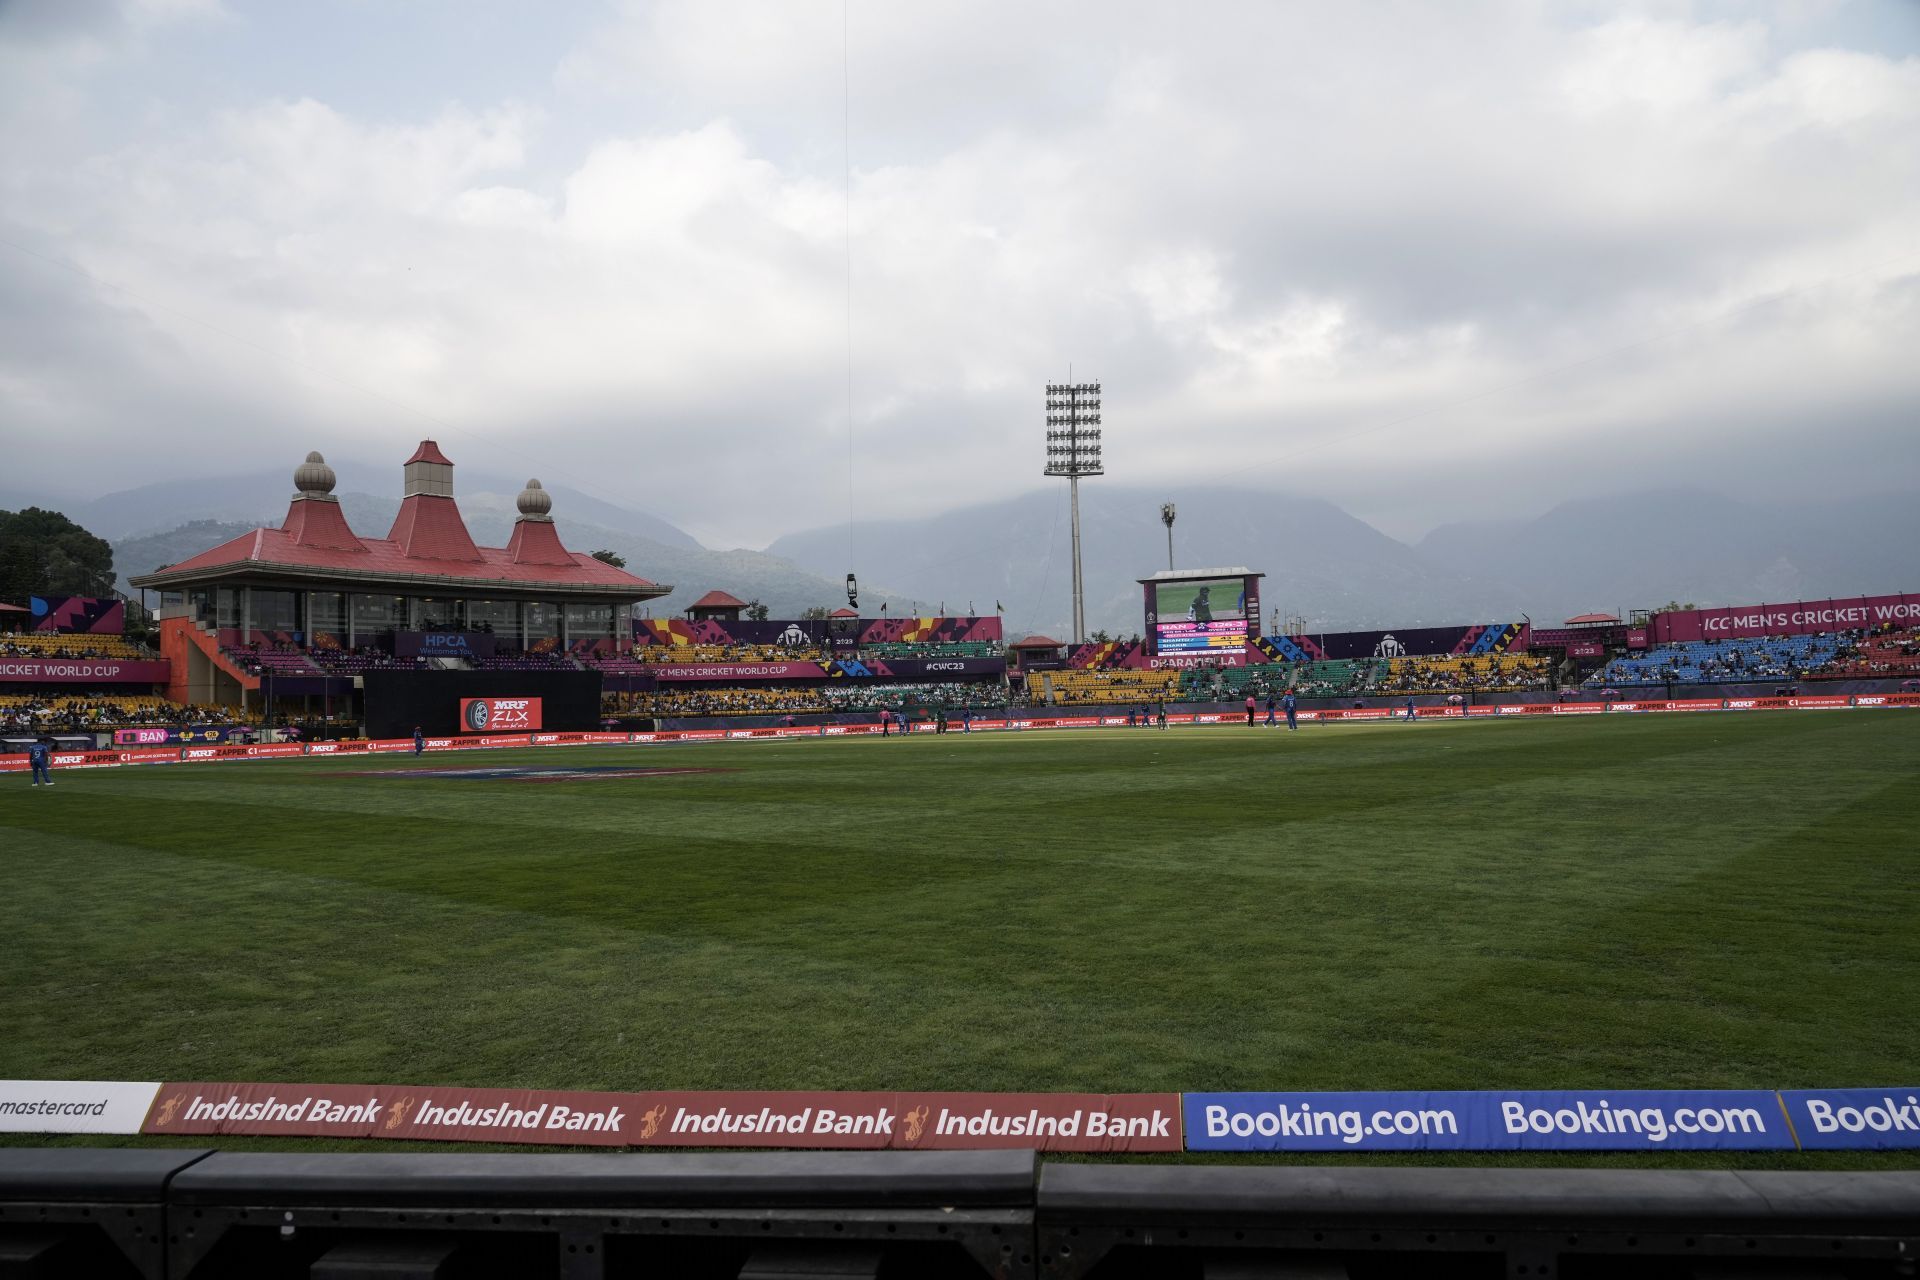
point(1166, 518)
point(1073, 450)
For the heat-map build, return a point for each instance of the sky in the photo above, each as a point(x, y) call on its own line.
point(752, 265)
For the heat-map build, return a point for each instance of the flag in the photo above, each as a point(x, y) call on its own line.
point(998, 607)
point(883, 606)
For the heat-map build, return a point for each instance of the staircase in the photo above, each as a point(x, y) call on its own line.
point(207, 640)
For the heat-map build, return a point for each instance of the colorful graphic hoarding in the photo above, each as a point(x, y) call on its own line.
point(1406, 642)
point(820, 633)
point(78, 615)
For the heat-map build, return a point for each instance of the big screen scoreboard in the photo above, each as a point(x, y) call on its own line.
point(1203, 615)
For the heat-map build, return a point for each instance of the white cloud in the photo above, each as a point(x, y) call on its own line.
point(1265, 229)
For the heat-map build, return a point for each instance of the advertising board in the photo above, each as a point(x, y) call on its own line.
point(499, 715)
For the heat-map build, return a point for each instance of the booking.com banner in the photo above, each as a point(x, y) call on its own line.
point(1622, 1120)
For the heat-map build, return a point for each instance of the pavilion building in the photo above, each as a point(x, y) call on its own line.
point(313, 588)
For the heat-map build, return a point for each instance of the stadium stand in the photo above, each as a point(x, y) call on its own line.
point(615, 663)
point(94, 710)
point(1109, 687)
point(1332, 678)
point(48, 644)
point(1885, 653)
point(1726, 661)
point(812, 700)
point(529, 661)
point(949, 649)
point(350, 662)
point(700, 654)
point(255, 659)
point(1497, 673)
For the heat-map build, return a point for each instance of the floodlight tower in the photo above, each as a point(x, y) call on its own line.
point(1073, 450)
point(1166, 518)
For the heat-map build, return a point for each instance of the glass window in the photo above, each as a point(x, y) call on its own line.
point(543, 620)
point(327, 618)
point(227, 606)
point(437, 614)
point(200, 605)
point(502, 617)
point(275, 610)
point(327, 612)
point(589, 621)
point(375, 616)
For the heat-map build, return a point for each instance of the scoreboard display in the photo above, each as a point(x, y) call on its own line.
point(1200, 637)
point(1216, 613)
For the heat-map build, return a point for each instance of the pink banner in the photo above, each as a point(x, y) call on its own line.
point(83, 671)
point(672, 672)
point(1802, 617)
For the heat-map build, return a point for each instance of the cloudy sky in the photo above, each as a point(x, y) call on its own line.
point(1430, 260)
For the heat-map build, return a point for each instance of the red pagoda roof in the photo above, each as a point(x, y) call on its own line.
point(843, 613)
point(718, 600)
point(428, 541)
point(276, 548)
point(429, 452)
point(428, 527)
point(1589, 618)
point(1039, 642)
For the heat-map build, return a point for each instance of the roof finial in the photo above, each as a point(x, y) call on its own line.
point(314, 478)
point(534, 502)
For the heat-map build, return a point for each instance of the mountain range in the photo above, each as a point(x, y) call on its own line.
point(1322, 564)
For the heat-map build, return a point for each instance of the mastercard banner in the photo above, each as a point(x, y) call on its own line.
point(499, 715)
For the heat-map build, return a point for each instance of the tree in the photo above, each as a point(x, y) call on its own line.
point(814, 611)
point(613, 558)
point(42, 553)
point(1674, 606)
point(756, 612)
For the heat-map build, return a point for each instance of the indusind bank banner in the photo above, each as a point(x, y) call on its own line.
point(794, 1120)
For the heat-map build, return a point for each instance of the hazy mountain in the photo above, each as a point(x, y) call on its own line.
point(1336, 571)
point(1642, 550)
point(1320, 562)
point(151, 551)
point(786, 589)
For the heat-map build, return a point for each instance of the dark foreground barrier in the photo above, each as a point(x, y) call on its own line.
point(190, 1215)
point(86, 1213)
point(1118, 1222)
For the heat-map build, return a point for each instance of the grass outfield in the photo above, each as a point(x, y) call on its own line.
point(1629, 901)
